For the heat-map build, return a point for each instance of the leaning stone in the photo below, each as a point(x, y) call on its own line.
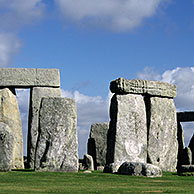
point(28, 77)
point(162, 133)
point(153, 88)
point(6, 147)
point(36, 94)
point(97, 143)
point(88, 162)
point(10, 115)
point(139, 169)
point(57, 146)
point(127, 135)
point(191, 146)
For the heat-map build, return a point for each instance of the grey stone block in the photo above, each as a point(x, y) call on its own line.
point(10, 115)
point(162, 133)
point(153, 88)
point(36, 94)
point(27, 77)
point(127, 135)
point(97, 143)
point(88, 162)
point(57, 146)
point(6, 147)
point(139, 169)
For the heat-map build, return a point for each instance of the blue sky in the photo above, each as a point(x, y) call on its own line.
point(93, 42)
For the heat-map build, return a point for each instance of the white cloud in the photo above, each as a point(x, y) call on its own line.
point(183, 78)
point(13, 16)
point(90, 110)
point(118, 15)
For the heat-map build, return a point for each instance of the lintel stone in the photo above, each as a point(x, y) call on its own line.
point(29, 77)
point(187, 116)
point(153, 88)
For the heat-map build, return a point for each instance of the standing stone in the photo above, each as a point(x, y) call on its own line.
point(10, 115)
point(36, 94)
point(186, 156)
point(97, 143)
point(6, 147)
point(162, 133)
point(127, 135)
point(191, 146)
point(57, 146)
point(88, 162)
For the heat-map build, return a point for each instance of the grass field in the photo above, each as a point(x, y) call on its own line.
point(20, 182)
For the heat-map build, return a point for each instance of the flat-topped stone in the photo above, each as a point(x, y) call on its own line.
point(186, 116)
point(153, 88)
point(29, 77)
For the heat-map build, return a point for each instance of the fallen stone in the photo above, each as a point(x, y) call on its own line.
point(6, 147)
point(153, 88)
point(36, 94)
point(127, 135)
point(97, 143)
point(57, 146)
point(139, 169)
point(162, 133)
point(88, 162)
point(10, 115)
point(87, 171)
point(27, 77)
point(191, 146)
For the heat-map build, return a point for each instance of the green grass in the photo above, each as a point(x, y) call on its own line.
point(20, 182)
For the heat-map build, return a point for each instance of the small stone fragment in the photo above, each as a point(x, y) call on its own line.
point(88, 162)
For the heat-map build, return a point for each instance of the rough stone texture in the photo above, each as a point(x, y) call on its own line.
point(10, 115)
point(162, 133)
point(88, 162)
point(187, 116)
point(191, 146)
point(6, 147)
point(36, 94)
point(140, 169)
point(153, 88)
point(97, 143)
point(57, 146)
point(181, 145)
point(127, 135)
point(27, 77)
point(186, 156)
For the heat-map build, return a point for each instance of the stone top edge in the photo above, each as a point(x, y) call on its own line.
point(137, 86)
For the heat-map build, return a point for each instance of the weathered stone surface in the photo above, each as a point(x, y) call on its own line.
point(187, 116)
point(186, 156)
point(127, 135)
point(10, 115)
point(36, 94)
point(6, 147)
point(97, 143)
point(153, 88)
point(162, 133)
point(57, 146)
point(191, 146)
point(88, 162)
point(27, 77)
point(140, 169)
